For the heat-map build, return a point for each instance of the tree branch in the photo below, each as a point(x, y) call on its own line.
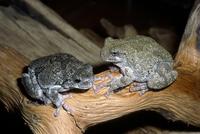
point(180, 101)
point(188, 56)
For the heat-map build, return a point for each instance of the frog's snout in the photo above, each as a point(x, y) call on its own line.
point(88, 84)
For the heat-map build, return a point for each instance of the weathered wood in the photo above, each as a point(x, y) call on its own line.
point(34, 39)
point(98, 40)
point(180, 101)
point(177, 101)
point(36, 8)
point(188, 56)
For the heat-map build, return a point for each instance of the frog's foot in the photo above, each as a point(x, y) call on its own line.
point(57, 111)
point(108, 93)
point(96, 78)
point(117, 83)
point(114, 69)
point(60, 103)
point(112, 87)
point(97, 87)
point(66, 107)
point(139, 87)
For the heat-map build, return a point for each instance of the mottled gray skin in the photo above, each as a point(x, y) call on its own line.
point(141, 60)
point(49, 76)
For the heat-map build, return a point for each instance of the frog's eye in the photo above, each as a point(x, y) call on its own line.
point(115, 53)
point(77, 80)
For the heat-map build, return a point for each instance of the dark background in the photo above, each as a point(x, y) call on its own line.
point(141, 13)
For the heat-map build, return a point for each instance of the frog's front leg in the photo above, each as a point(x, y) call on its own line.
point(58, 99)
point(120, 81)
point(162, 76)
point(97, 88)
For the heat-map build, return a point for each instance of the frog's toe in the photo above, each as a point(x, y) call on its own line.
point(139, 87)
point(97, 88)
point(57, 112)
point(113, 69)
point(97, 78)
point(142, 92)
point(67, 108)
point(108, 93)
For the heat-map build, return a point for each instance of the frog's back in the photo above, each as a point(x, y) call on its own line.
point(143, 44)
point(48, 60)
point(54, 68)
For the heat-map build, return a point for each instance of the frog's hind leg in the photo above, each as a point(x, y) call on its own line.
point(32, 88)
point(58, 99)
point(140, 87)
point(162, 77)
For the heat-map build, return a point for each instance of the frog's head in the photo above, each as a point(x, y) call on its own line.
point(82, 79)
point(113, 51)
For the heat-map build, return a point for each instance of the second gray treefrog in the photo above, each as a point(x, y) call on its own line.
point(49, 76)
point(141, 60)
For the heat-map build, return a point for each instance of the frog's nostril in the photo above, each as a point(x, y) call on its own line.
point(85, 82)
point(88, 83)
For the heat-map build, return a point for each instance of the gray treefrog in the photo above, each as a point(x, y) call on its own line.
point(49, 76)
point(141, 60)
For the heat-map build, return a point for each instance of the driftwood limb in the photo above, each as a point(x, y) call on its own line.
point(180, 101)
point(98, 40)
point(176, 102)
point(188, 56)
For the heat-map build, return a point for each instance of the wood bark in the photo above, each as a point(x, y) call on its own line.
point(180, 101)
